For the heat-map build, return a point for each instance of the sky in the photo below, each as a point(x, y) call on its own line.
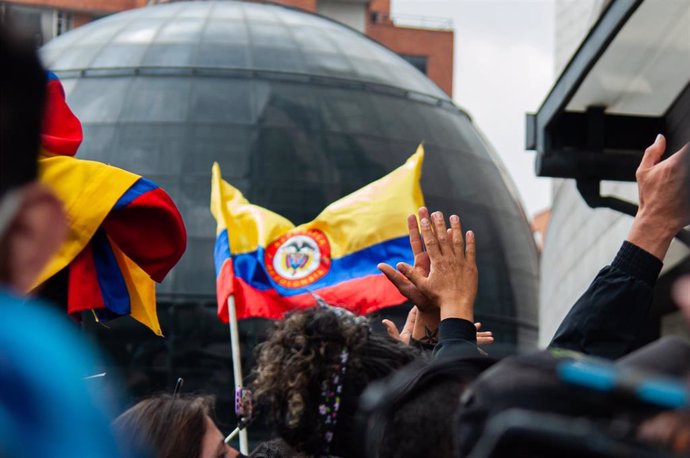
point(504, 67)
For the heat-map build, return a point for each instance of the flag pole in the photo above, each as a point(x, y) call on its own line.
point(236, 362)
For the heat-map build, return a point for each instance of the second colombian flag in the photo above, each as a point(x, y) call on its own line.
point(272, 267)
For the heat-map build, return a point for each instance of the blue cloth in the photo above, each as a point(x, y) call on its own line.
point(47, 408)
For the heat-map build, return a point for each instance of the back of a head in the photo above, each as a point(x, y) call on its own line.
point(424, 424)
point(315, 362)
point(166, 426)
point(413, 412)
point(22, 92)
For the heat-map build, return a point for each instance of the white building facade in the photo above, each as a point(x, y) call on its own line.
point(581, 240)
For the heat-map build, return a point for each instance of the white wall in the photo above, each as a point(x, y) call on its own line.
point(579, 242)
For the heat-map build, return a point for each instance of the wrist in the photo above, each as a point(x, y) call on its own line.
point(652, 234)
point(457, 309)
point(655, 224)
point(427, 322)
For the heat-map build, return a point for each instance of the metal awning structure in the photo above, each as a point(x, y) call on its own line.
point(616, 93)
point(628, 81)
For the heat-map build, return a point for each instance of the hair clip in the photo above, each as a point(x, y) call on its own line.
point(178, 387)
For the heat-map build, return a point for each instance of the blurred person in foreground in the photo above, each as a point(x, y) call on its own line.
point(175, 427)
point(47, 406)
point(605, 322)
point(672, 429)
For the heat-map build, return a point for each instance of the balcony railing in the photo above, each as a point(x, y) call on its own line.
point(422, 22)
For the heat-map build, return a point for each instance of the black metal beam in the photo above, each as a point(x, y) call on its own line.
point(596, 145)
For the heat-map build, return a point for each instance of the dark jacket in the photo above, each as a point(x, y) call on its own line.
point(605, 322)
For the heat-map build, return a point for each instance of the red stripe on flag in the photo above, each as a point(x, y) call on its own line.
point(150, 231)
point(361, 296)
point(83, 291)
point(61, 132)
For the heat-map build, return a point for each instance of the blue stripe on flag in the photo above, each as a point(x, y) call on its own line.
point(139, 188)
point(110, 279)
point(250, 266)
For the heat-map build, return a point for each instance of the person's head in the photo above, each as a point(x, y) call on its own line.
point(32, 223)
point(424, 424)
point(413, 412)
point(174, 427)
point(317, 362)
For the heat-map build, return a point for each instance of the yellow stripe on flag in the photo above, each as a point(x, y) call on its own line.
point(88, 191)
point(249, 226)
point(371, 215)
point(142, 292)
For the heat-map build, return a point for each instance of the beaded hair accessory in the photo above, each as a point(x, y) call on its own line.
point(332, 387)
point(331, 391)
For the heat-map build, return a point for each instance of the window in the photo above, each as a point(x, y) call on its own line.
point(42, 24)
point(418, 62)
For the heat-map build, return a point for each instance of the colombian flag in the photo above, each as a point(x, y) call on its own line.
point(271, 266)
point(124, 231)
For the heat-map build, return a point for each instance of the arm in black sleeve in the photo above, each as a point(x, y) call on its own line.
point(608, 317)
point(457, 337)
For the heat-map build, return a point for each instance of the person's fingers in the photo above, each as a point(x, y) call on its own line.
point(410, 273)
point(410, 321)
point(395, 277)
point(681, 295)
point(654, 152)
point(391, 329)
point(430, 240)
point(439, 224)
point(481, 340)
point(423, 212)
point(458, 242)
point(415, 238)
point(680, 157)
point(471, 248)
point(478, 325)
point(485, 334)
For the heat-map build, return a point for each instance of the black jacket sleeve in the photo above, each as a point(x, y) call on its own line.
point(456, 338)
point(607, 319)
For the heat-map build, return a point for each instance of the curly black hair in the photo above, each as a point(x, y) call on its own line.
point(302, 351)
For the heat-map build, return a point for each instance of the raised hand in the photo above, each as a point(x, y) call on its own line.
point(452, 280)
point(421, 262)
point(405, 335)
point(663, 186)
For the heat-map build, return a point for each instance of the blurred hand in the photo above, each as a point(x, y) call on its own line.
point(681, 296)
point(663, 187)
point(452, 280)
point(405, 335)
point(670, 430)
point(483, 337)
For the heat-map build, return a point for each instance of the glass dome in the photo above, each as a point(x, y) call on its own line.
point(298, 110)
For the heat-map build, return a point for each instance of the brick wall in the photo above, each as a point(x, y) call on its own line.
point(96, 6)
point(436, 45)
point(307, 5)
